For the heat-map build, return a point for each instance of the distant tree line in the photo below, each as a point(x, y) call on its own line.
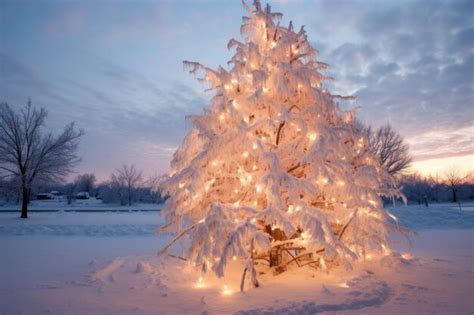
point(123, 188)
point(33, 161)
point(450, 187)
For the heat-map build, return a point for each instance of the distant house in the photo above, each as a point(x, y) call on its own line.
point(44, 196)
point(82, 195)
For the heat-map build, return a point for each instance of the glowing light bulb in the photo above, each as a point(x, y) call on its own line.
point(245, 154)
point(200, 283)
point(234, 258)
point(312, 136)
point(226, 290)
point(255, 203)
point(305, 236)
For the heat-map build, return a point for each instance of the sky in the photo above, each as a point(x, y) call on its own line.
point(115, 68)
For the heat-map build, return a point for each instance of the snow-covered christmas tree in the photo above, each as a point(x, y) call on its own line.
point(275, 172)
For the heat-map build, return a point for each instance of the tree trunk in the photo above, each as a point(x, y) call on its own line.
point(275, 257)
point(129, 197)
point(454, 195)
point(24, 205)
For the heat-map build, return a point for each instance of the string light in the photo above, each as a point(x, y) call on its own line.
point(226, 290)
point(200, 283)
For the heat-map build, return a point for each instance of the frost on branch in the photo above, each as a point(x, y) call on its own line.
point(274, 172)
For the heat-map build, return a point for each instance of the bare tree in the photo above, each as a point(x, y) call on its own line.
point(388, 146)
point(128, 178)
point(453, 181)
point(85, 182)
point(28, 153)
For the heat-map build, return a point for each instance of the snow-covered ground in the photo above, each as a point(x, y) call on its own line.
point(106, 263)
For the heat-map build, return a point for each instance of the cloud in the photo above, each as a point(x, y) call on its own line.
point(410, 65)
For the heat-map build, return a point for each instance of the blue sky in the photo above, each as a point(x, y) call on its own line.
point(115, 68)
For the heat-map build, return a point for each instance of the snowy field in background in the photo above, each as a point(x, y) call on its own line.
point(92, 205)
point(106, 263)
